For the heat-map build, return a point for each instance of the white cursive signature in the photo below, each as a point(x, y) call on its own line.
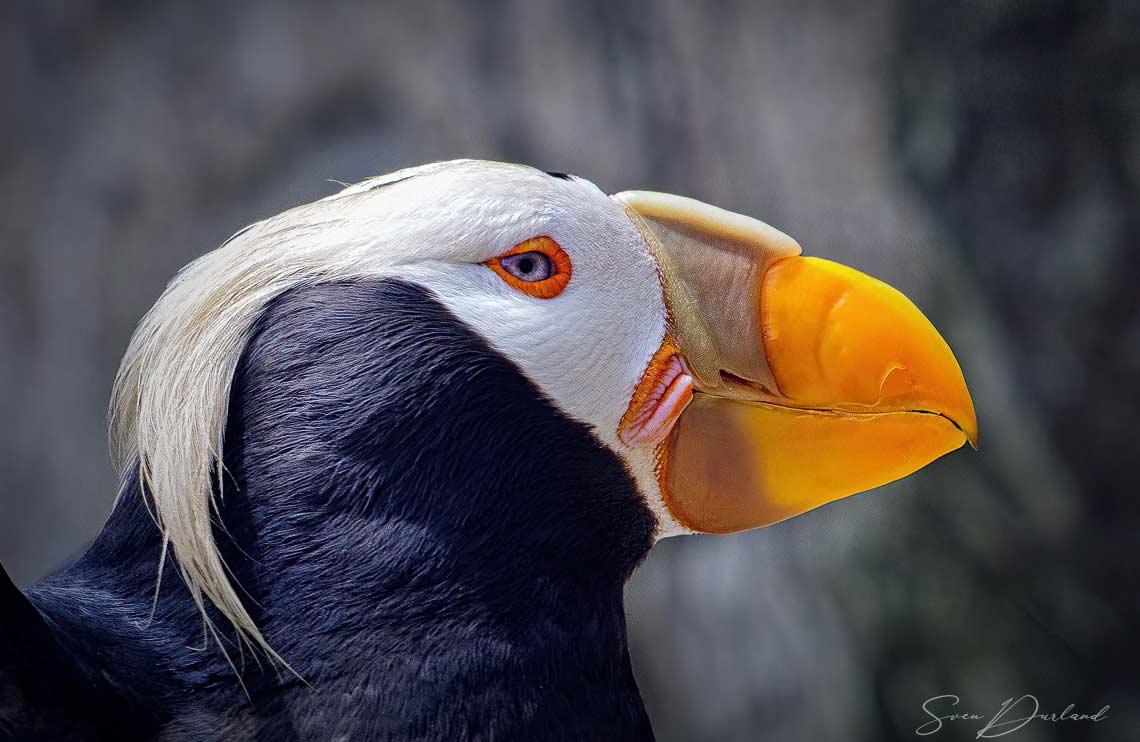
point(1012, 715)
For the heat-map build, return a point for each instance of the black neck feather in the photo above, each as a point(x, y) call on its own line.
point(426, 539)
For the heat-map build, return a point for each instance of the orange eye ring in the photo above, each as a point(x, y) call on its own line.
point(546, 288)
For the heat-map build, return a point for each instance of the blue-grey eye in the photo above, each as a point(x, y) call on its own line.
point(528, 266)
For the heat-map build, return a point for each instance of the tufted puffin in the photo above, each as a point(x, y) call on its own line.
point(388, 459)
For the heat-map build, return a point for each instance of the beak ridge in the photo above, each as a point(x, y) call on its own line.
point(710, 258)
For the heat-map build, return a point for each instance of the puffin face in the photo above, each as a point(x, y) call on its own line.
point(552, 273)
point(562, 284)
point(741, 383)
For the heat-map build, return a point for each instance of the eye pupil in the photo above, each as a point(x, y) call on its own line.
point(531, 266)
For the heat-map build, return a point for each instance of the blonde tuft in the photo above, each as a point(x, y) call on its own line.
point(171, 395)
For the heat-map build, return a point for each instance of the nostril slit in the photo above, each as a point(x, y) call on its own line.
point(732, 379)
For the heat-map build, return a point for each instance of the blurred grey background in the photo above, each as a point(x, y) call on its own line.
point(983, 156)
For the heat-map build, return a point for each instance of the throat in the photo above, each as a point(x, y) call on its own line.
point(452, 643)
point(391, 588)
point(523, 665)
point(456, 635)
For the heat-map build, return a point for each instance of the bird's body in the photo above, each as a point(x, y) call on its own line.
point(389, 458)
point(451, 592)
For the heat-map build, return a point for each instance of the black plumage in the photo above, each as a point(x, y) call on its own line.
point(430, 543)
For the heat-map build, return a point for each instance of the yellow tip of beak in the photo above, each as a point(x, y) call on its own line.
point(839, 340)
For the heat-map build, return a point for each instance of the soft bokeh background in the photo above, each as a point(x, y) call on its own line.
point(984, 157)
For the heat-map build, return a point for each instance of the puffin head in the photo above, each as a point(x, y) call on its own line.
point(738, 383)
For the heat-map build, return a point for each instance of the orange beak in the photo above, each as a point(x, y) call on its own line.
point(812, 381)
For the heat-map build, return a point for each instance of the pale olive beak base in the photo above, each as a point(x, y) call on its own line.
point(813, 380)
point(730, 465)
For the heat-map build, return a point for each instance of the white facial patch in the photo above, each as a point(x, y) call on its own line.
point(586, 348)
